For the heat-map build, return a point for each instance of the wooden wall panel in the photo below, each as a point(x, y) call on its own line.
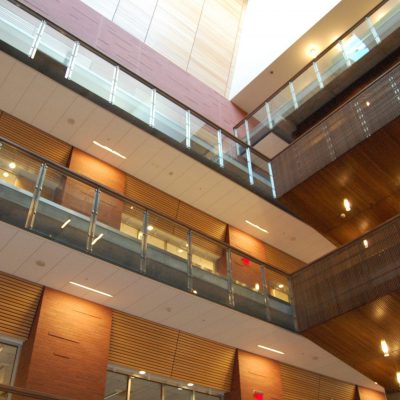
point(263, 251)
point(141, 344)
point(333, 389)
point(368, 394)
point(298, 384)
point(34, 139)
point(18, 305)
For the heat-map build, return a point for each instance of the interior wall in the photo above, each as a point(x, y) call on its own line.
point(198, 35)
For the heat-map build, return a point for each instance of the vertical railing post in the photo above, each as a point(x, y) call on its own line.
point(246, 125)
point(318, 75)
point(143, 255)
point(265, 292)
point(152, 119)
point(30, 219)
point(269, 116)
point(271, 178)
point(293, 304)
point(190, 261)
point(220, 149)
point(93, 221)
point(35, 44)
point(249, 166)
point(129, 389)
point(231, 297)
point(114, 84)
point(293, 93)
point(373, 30)
point(345, 55)
point(71, 61)
point(188, 129)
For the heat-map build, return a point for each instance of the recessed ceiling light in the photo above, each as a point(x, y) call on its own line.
point(65, 223)
point(142, 372)
point(190, 384)
point(194, 291)
point(313, 52)
point(376, 383)
point(281, 286)
point(90, 289)
point(367, 103)
point(180, 251)
point(347, 204)
point(257, 287)
point(398, 377)
point(12, 165)
point(385, 348)
point(6, 174)
point(109, 149)
point(256, 226)
point(365, 243)
point(150, 228)
point(94, 241)
point(269, 349)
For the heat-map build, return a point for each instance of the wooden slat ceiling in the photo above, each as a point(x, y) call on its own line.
point(368, 175)
point(34, 139)
point(355, 338)
point(18, 305)
point(141, 344)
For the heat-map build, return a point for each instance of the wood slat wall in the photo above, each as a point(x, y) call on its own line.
point(137, 343)
point(34, 139)
point(18, 305)
point(300, 384)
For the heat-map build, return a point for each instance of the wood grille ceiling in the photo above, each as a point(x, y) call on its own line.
point(34, 139)
point(18, 305)
point(140, 344)
point(300, 384)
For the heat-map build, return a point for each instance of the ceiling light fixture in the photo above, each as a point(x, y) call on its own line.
point(194, 291)
point(365, 243)
point(12, 165)
point(281, 286)
point(6, 174)
point(367, 103)
point(347, 204)
point(257, 287)
point(190, 384)
point(398, 377)
point(269, 349)
point(385, 348)
point(90, 289)
point(313, 52)
point(141, 372)
point(256, 226)
point(109, 149)
point(65, 223)
point(150, 228)
point(97, 239)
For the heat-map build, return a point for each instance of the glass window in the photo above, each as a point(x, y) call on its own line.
point(145, 390)
point(8, 355)
point(203, 396)
point(116, 386)
point(176, 393)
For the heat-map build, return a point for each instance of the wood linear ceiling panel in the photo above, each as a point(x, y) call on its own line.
point(18, 305)
point(34, 139)
point(355, 336)
point(140, 344)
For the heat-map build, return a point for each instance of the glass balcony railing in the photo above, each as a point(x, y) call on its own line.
point(58, 204)
point(137, 100)
point(274, 112)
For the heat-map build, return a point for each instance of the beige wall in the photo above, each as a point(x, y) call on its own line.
point(197, 35)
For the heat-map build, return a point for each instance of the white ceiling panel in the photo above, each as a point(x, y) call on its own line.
point(95, 273)
point(7, 232)
point(6, 65)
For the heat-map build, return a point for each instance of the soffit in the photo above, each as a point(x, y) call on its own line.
point(137, 295)
point(49, 106)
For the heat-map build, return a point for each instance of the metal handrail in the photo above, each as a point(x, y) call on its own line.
point(319, 56)
point(111, 192)
point(33, 394)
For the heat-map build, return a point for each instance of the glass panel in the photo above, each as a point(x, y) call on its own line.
point(8, 355)
point(203, 396)
point(204, 139)
point(56, 45)
point(145, 390)
point(117, 232)
point(306, 85)
point(209, 269)
point(17, 27)
point(332, 64)
point(116, 386)
point(93, 73)
point(133, 96)
point(278, 286)
point(358, 43)
point(167, 251)
point(248, 286)
point(281, 105)
point(258, 125)
point(64, 210)
point(170, 118)
point(175, 393)
point(387, 19)
point(260, 173)
point(18, 175)
point(235, 160)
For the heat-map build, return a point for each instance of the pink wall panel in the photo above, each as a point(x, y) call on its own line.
point(92, 28)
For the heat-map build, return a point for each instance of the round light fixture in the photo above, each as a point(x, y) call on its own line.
point(6, 174)
point(12, 165)
point(150, 228)
point(142, 372)
point(190, 384)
